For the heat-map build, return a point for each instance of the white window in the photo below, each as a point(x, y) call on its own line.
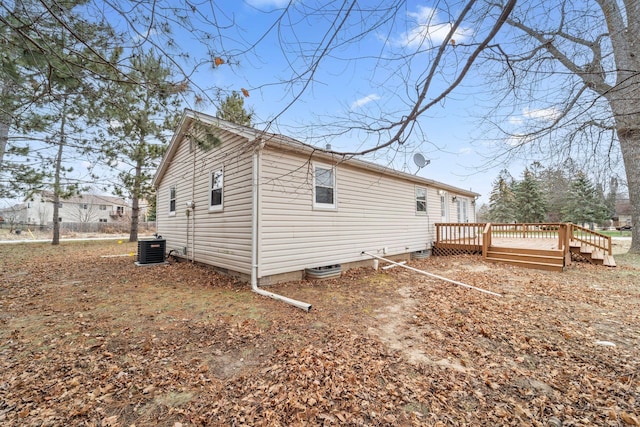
point(421, 200)
point(85, 206)
point(216, 184)
point(103, 207)
point(172, 200)
point(102, 220)
point(324, 187)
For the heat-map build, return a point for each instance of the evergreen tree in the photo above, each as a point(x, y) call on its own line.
point(22, 83)
point(483, 215)
point(502, 199)
point(141, 111)
point(232, 109)
point(585, 204)
point(47, 88)
point(530, 201)
point(554, 183)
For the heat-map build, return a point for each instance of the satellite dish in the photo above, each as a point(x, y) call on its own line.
point(420, 161)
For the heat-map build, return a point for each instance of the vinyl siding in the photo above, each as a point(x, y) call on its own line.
point(222, 238)
point(373, 212)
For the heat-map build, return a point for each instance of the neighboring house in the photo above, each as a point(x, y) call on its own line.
point(13, 215)
point(622, 216)
point(268, 207)
point(80, 209)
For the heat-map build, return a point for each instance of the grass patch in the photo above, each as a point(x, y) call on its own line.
point(616, 233)
point(629, 260)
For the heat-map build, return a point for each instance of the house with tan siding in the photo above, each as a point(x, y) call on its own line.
point(267, 207)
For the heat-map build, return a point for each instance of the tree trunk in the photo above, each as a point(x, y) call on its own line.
point(58, 168)
point(623, 98)
point(135, 201)
point(4, 138)
point(630, 146)
point(135, 212)
point(5, 123)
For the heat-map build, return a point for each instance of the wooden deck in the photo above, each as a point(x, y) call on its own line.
point(544, 246)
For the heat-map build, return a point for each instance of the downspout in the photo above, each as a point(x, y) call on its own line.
point(193, 208)
point(254, 238)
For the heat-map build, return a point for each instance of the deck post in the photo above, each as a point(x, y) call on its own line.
point(486, 240)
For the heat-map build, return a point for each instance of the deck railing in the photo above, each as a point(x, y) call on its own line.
point(590, 237)
point(480, 234)
point(463, 233)
point(455, 238)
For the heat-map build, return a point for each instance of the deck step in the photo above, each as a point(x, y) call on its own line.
point(609, 261)
point(586, 249)
point(528, 264)
point(588, 253)
point(541, 259)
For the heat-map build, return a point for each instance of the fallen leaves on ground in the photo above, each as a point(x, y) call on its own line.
point(92, 341)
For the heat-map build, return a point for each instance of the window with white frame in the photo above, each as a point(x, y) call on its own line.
point(216, 184)
point(463, 210)
point(324, 187)
point(421, 200)
point(172, 200)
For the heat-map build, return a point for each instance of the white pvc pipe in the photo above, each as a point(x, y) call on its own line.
point(254, 245)
point(434, 275)
point(387, 267)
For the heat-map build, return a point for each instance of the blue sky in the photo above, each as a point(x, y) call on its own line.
point(357, 80)
point(353, 82)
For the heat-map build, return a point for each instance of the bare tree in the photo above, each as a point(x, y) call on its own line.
point(569, 74)
point(84, 214)
point(567, 70)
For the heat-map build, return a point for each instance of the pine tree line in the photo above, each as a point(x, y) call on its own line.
point(553, 194)
point(82, 94)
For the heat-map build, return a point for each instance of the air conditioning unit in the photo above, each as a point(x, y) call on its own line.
point(151, 251)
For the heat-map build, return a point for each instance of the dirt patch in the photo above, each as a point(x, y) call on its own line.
point(87, 340)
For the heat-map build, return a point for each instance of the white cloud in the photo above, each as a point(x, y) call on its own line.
point(465, 150)
point(546, 114)
point(539, 114)
point(430, 28)
point(364, 101)
point(268, 3)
